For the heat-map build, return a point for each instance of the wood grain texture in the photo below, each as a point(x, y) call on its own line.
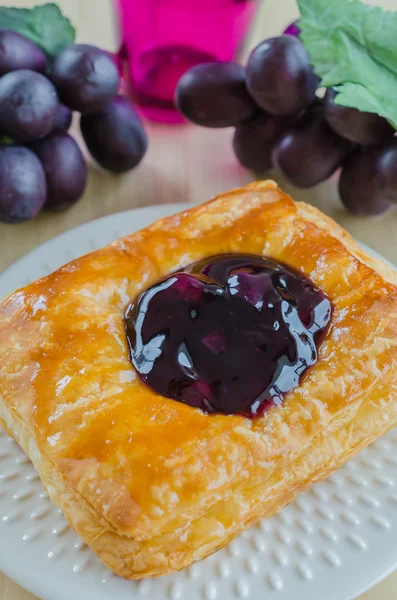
point(184, 163)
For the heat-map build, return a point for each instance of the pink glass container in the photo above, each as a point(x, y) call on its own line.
point(161, 39)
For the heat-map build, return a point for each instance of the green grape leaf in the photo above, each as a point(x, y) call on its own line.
point(45, 25)
point(353, 47)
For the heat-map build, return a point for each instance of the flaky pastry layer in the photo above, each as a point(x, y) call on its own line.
point(151, 484)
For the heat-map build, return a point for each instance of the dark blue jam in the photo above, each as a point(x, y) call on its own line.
point(231, 334)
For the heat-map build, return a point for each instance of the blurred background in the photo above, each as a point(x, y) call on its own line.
point(183, 162)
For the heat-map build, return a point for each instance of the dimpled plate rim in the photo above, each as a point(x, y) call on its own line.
point(335, 541)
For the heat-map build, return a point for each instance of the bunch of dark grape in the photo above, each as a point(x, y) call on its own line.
point(41, 165)
point(282, 123)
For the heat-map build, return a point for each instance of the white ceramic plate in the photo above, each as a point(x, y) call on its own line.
point(335, 541)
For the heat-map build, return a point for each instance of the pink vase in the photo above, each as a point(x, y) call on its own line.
point(164, 38)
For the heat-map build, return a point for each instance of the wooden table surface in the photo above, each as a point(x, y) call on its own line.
point(184, 163)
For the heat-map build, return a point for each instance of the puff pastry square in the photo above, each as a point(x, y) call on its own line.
point(152, 484)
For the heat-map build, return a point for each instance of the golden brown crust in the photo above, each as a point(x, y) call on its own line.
point(151, 484)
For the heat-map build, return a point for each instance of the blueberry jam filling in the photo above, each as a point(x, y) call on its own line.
point(231, 334)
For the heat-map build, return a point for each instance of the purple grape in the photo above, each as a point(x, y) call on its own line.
point(279, 76)
point(356, 126)
point(28, 105)
point(292, 29)
point(86, 77)
point(215, 95)
point(115, 136)
point(310, 151)
point(17, 52)
point(253, 141)
point(64, 167)
point(64, 118)
point(368, 182)
point(22, 184)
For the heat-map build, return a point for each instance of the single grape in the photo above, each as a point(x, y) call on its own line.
point(310, 151)
point(64, 118)
point(17, 52)
point(253, 141)
point(86, 77)
point(387, 170)
point(368, 182)
point(352, 124)
point(22, 184)
point(28, 105)
point(115, 136)
point(279, 76)
point(64, 167)
point(215, 95)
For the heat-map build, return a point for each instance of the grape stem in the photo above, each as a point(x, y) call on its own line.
point(6, 141)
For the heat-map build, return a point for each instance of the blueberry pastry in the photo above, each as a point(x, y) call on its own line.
point(190, 379)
